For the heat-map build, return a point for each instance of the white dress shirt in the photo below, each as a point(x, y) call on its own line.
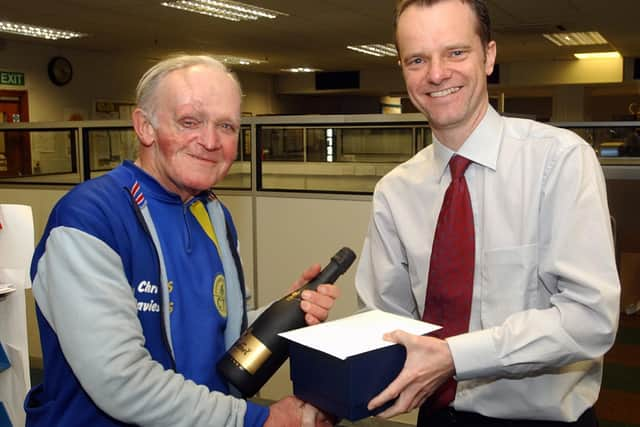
point(545, 289)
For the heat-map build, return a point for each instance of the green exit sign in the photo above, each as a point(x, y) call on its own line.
point(11, 78)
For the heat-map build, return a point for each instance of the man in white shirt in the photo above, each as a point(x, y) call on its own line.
point(545, 289)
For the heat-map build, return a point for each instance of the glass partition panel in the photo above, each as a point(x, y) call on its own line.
point(616, 144)
point(239, 175)
point(321, 143)
point(424, 137)
point(334, 158)
point(28, 153)
point(342, 154)
point(282, 144)
point(244, 144)
point(108, 147)
point(376, 145)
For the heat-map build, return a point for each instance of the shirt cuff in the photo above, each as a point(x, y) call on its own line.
point(474, 354)
point(256, 415)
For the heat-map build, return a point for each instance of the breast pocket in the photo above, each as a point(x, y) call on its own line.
point(509, 282)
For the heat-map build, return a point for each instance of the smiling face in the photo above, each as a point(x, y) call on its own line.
point(191, 142)
point(445, 67)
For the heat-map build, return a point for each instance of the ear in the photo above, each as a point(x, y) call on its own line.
point(490, 57)
point(143, 127)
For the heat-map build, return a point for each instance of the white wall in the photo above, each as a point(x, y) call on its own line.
point(292, 234)
point(524, 73)
point(562, 72)
point(295, 232)
point(99, 76)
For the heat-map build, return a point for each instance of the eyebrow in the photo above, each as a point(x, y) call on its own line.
point(446, 48)
point(458, 46)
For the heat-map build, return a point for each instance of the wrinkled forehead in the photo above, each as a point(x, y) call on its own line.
point(199, 85)
point(202, 77)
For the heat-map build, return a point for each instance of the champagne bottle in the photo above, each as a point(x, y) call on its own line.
point(259, 351)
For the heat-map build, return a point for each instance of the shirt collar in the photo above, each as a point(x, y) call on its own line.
point(152, 188)
point(481, 147)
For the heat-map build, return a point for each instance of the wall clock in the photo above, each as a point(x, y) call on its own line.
point(60, 70)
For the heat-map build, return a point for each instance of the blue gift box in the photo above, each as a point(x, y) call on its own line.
point(4, 360)
point(344, 387)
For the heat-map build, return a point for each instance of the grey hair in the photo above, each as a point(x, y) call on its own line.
point(150, 81)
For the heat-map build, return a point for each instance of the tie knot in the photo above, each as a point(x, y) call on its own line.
point(458, 165)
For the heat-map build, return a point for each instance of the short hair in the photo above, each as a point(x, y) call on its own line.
point(149, 82)
point(479, 8)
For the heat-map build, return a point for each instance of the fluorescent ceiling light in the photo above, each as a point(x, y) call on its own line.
point(39, 32)
point(235, 60)
point(576, 39)
point(224, 9)
point(597, 55)
point(387, 49)
point(300, 70)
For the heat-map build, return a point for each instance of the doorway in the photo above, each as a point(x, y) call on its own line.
point(15, 146)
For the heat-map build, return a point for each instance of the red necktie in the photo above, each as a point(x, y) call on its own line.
point(450, 283)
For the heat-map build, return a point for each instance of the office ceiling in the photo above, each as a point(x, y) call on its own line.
point(316, 32)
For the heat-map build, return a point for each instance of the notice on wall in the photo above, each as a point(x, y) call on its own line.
point(44, 142)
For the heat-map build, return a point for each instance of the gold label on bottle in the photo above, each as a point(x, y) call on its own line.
point(249, 352)
point(294, 295)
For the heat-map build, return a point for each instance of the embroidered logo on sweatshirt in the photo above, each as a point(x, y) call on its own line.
point(220, 295)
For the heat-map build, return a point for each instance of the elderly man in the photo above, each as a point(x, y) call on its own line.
point(137, 279)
